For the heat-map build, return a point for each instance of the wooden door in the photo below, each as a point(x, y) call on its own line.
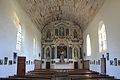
point(21, 66)
point(75, 65)
point(47, 65)
point(103, 65)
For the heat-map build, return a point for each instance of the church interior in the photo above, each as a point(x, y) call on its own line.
point(59, 40)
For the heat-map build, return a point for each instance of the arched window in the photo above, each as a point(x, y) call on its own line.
point(34, 45)
point(19, 33)
point(88, 45)
point(19, 38)
point(102, 37)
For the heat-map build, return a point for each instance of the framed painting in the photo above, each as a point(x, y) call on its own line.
point(107, 55)
point(14, 58)
point(98, 62)
point(10, 62)
point(94, 62)
point(1, 61)
point(115, 61)
point(26, 62)
point(29, 62)
point(111, 62)
point(62, 51)
point(39, 54)
point(5, 60)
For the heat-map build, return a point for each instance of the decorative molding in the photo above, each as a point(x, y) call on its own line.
point(43, 12)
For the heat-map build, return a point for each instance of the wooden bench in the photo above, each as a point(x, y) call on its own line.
point(53, 74)
point(88, 76)
point(32, 77)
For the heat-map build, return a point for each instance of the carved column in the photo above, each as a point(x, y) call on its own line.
point(70, 52)
point(53, 52)
point(42, 55)
point(67, 52)
point(81, 56)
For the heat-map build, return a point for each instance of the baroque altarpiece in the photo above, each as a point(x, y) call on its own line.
point(61, 43)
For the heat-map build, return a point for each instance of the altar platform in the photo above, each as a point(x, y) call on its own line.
point(63, 65)
point(62, 62)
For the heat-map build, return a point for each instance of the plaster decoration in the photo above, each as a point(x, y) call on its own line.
point(43, 12)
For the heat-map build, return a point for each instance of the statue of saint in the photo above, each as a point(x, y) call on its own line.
point(48, 53)
point(75, 34)
point(75, 53)
point(61, 31)
point(62, 56)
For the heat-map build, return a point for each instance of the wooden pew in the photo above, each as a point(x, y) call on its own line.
point(13, 79)
point(86, 75)
point(89, 76)
point(32, 77)
point(38, 77)
point(53, 74)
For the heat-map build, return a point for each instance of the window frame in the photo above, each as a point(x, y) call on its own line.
point(88, 45)
point(19, 38)
point(34, 45)
point(102, 37)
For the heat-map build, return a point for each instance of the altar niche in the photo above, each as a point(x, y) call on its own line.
point(61, 52)
point(47, 51)
point(76, 52)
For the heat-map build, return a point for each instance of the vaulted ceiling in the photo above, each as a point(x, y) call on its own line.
point(43, 12)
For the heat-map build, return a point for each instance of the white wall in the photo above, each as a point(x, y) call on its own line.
point(8, 36)
point(110, 15)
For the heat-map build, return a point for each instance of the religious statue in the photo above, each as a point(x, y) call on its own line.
point(75, 53)
point(75, 33)
point(67, 32)
point(48, 34)
point(48, 53)
point(62, 56)
point(61, 31)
